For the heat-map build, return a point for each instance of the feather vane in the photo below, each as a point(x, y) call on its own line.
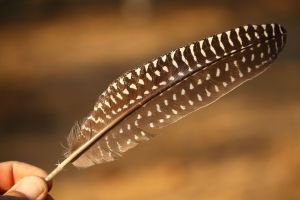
point(164, 90)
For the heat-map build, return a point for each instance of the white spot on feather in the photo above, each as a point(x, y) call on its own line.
point(207, 77)
point(171, 78)
point(193, 52)
point(166, 102)
point(146, 66)
point(207, 92)
point(180, 74)
point(218, 72)
point(244, 59)
point(141, 82)
point(237, 30)
point(201, 48)
point(113, 99)
point(158, 108)
point(133, 86)
point(183, 57)
point(148, 76)
point(121, 80)
point(211, 46)
point(182, 91)
point(229, 38)
point(232, 79)
point(129, 75)
point(114, 84)
point(217, 88)
point(226, 67)
point(265, 28)
point(138, 71)
point(191, 102)
point(252, 57)
point(155, 62)
point(119, 96)
point(220, 42)
point(199, 81)
point(125, 91)
point(146, 92)
point(107, 103)
point(163, 83)
point(175, 112)
point(191, 86)
point(165, 68)
point(174, 97)
point(154, 87)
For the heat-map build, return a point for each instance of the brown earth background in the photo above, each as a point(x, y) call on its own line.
point(56, 57)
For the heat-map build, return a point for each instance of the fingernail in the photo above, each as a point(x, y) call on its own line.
point(34, 188)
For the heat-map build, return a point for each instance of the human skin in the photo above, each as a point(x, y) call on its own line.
point(23, 181)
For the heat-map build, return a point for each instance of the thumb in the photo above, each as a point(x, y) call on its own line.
point(29, 187)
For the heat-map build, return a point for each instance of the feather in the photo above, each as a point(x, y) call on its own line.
point(164, 90)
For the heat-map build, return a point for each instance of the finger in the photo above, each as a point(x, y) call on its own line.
point(12, 171)
point(30, 187)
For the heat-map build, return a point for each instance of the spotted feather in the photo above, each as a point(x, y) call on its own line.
point(164, 90)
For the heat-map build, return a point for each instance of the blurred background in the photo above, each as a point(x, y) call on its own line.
point(57, 56)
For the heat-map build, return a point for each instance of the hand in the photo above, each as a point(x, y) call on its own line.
point(23, 181)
